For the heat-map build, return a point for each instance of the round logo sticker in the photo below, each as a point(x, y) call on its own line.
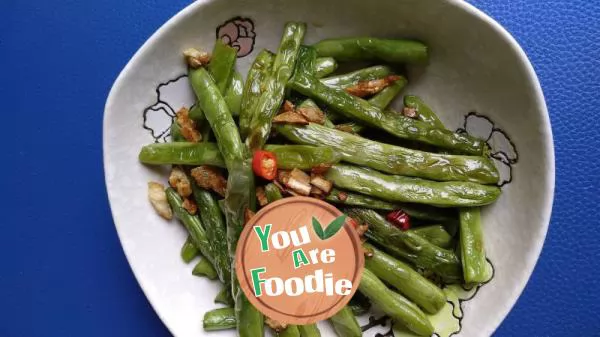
point(299, 260)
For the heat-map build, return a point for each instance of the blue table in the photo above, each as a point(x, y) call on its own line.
point(63, 272)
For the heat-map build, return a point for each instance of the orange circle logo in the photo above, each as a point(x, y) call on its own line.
point(299, 260)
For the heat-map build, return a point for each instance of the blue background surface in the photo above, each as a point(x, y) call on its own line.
point(62, 270)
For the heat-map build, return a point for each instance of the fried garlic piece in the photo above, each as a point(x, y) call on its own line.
point(158, 199)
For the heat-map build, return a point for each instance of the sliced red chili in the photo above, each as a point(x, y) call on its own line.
point(264, 164)
point(400, 219)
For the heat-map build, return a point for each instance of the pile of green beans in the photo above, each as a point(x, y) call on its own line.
point(442, 190)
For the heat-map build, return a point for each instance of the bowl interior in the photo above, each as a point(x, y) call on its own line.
point(478, 80)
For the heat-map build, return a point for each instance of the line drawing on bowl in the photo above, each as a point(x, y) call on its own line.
point(502, 149)
point(175, 93)
point(238, 32)
point(447, 322)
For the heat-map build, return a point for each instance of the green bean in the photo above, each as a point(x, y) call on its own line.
point(288, 156)
point(405, 279)
point(192, 223)
point(423, 212)
point(393, 123)
point(205, 268)
point(221, 67)
point(188, 250)
point(413, 190)
point(219, 319)
point(435, 234)
point(359, 304)
point(196, 113)
point(233, 93)
point(310, 330)
point(182, 153)
point(216, 230)
point(366, 74)
point(409, 246)
point(303, 157)
point(395, 305)
point(290, 331)
point(255, 82)
point(345, 324)
point(386, 96)
point(250, 321)
point(394, 159)
point(270, 100)
point(175, 131)
point(224, 297)
point(324, 66)
point(368, 48)
point(218, 115)
point(239, 183)
point(273, 193)
point(206, 132)
point(471, 246)
point(306, 61)
point(424, 113)
point(222, 63)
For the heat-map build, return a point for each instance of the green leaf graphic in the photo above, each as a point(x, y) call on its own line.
point(318, 229)
point(334, 226)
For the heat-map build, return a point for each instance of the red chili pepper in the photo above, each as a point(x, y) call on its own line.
point(264, 164)
point(399, 219)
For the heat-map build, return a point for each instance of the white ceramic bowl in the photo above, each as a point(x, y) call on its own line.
point(476, 67)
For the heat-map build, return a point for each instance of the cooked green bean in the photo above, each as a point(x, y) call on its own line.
point(205, 269)
point(255, 82)
point(288, 156)
point(405, 279)
point(368, 48)
point(216, 230)
point(345, 324)
point(395, 305)
point(219, 319)
point(233, 93)
point(324, 66)
point(181, 153)
point(424, 112)
point(192, 223)
point(303, 157)
point(218, 115)
point(271, 99)
point(417, 211)
point(366, 74)
point(393, 123)
point(290, 331)
point(359, 304)
point(310, 330)
point(222, 63)
point(386, 96)
point(224, 297)
point(414, 190)
point(221, 67)
point(409, 246)
point(239, 183)
point(175, 131)
point(306, 61)
point(188, 250)
point(394, 159)
point(435, 234)
point(472, 250)
point(273, 193)
point(250, 321)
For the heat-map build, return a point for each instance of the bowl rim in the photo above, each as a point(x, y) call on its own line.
point(546, 212)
